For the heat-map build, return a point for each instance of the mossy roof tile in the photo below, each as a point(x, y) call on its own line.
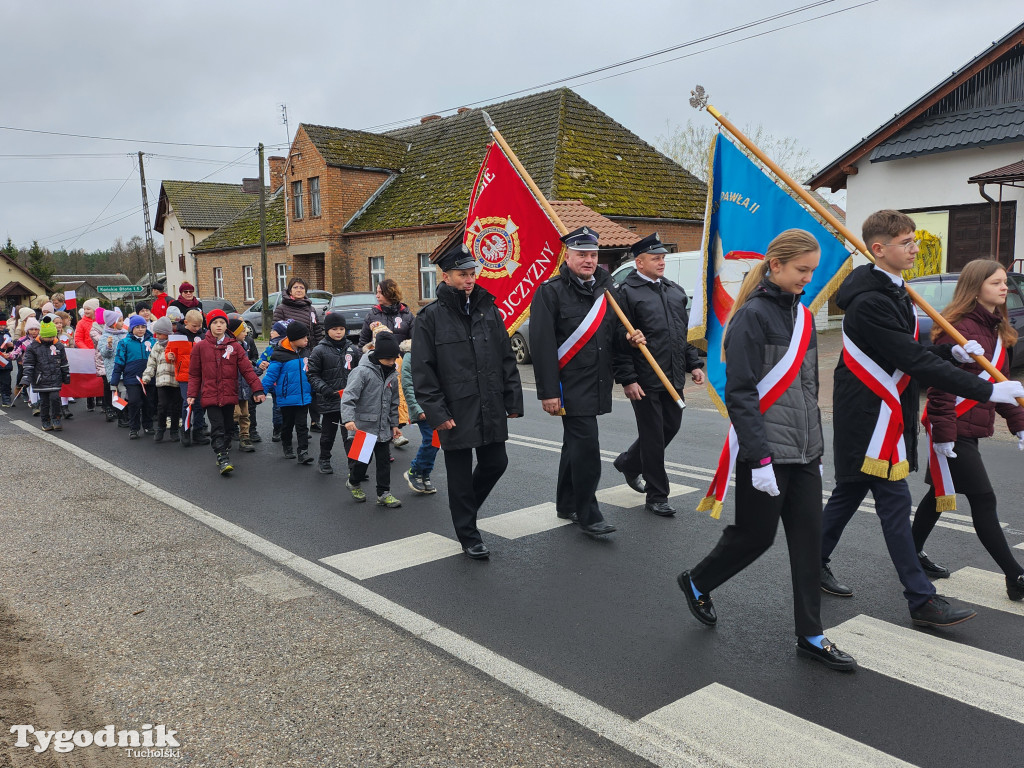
point(243, 231)
point(201, 204)
point(356, 149)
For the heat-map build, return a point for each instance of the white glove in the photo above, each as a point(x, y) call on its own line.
point(945, 449)
point(963, 354)
point(1006, 392)
point(763, 479)
point(1020, 438)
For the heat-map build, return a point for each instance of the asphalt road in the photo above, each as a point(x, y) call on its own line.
point(605, 619)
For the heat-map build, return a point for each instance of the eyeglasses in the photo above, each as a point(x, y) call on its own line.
point(905, 246)
point(184, 292)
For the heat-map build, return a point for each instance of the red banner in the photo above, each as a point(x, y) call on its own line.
point(508, 232)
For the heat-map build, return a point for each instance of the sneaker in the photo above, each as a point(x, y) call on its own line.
point(110, 415)
point(428, 485)
point(149, 430)
point(1015, 588)
point(314, 426)
point(254, 436)
point(35, 410)
point(57, 426)
point(357, 493)
point(401, 440)
point(830, 584)
point(276, 437)
point(938, 612)
point(304, 457)
point(387, 500)
point(289, 452)
point(174, 436)
point(245, 446)
point(324, 467)
point(133, 435)
point(5, 402)
point(159, 436)
point(224, 465)
point(47, 426)
point(67, 414)
point(932, 569)
point(415, 482)
point(198, 438)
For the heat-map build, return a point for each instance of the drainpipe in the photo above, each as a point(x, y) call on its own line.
point(994, 234)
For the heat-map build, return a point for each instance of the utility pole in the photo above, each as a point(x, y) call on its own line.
point(149, 228)
point(287, 130)
point(263, 250)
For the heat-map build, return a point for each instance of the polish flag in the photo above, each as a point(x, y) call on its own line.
point(70, 300)
point(435, 439)
point(362, 447)
point(119, 402)
point(84, 381)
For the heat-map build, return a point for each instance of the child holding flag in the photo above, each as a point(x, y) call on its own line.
point(106, 348)
point(187, 334)
point(329, 366)
point(776, 442)
point(160, 374)
point(130, 362)
point(286, 379)
point(46, 370)
point(370, 405)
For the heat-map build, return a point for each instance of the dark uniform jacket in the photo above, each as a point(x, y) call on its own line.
point(329, 366)
point(557, 310)
point(880, 320)
point(464, 369)
point(659, 310)
point(756, 339)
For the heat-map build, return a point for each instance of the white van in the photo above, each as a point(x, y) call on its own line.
point(684, 269)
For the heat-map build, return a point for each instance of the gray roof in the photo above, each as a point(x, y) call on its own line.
point(956, 130)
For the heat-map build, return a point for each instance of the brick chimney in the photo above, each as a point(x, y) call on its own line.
point(276, 173)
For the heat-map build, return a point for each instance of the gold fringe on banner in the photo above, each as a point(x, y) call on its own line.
point(710, 503)
point(899, 471)
point(945, 503)
point(697, 335)
point(832, 286)
point(875, 467)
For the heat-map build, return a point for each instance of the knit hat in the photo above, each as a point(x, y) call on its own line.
point(30, 324)
point(163, 325)
point(175, 314)
point(385, 347)
point(110, 317)
point(214, 315)
point(135, 321)
point(48, 308)
point(91, 304)
point(334, 320)
point(47, 328)
point(296, 330)
point(25, 312)
point(237, 328)
point(3, 316)
point(186, 287)
point(280, 327)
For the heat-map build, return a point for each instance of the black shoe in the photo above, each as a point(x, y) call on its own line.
point(224, 465)
point(314, 426)
point(633, 481)
point(205, 432)
point(174, 436)
point(159, 436)
point(66, 412)
point(110, 415)
point(289, 452)
point(570, 516)
point(830, 656)
point(254, 436)
point(477, 552)
point(324, 467)
point(198, 438)
point(660, 508)
point(276, 437)
point(133, 435)
point(5, 402)
point(47, 426)
point(304, 457)
point(1015, 588)
point(937, 612)
point(600, 528)
point(149, 430)
point(245, 446)
point(932, 569)
point(833, 587)
point(124, 424)
point(702, 608)
point(57, 426)
point(186, 438)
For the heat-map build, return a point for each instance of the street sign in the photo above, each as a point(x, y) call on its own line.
point(116, 290)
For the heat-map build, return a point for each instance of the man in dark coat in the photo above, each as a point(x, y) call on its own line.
point(571, 332)
point(657, 306)
point(467, 383)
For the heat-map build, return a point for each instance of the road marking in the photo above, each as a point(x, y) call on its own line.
point(523, 522)
point(275, 585)
point(394, 555)
point(733, 729)
point(979, 678)
point(625, 497)
point(973, 585)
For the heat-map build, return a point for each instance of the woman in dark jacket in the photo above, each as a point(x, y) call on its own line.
point(776, 432)
point(186, 299)
point(389, 310)
point(295, 306)
point(978, 311)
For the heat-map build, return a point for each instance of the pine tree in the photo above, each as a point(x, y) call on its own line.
point(39, 265)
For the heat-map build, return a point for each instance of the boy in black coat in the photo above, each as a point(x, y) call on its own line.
point(329, 366)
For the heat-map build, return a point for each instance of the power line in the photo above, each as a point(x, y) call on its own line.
point(84, 231)
point(52, 181)
point(114, 138)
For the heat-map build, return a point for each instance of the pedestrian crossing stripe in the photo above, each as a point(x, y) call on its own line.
point(973, 585)
point(393, 555)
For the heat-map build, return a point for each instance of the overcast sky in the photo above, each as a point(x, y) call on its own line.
point(215, 73)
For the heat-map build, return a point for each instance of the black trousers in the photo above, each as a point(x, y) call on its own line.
point(5, 380)
point(468, 488)
point(294, 417)
point(168, 406)
point(222, 419)
point(252, 414)
point(382, 458)
point(657, 421)
point(138, 406)
point(49, 405)
point(757, 520)
point(329, 424)
point(579, 470)
point(892, 507)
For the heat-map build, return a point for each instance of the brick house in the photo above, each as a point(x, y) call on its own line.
point(357, 206)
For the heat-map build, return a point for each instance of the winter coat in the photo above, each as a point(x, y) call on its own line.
point(213, 371)
point(880, 321)
point(131, 358)
point(83, 339)
point(182, 350)
point(464, 369)
point(329, 367)
point(159, 367)
point(980, 325)
point(160, 305)
point(659, 310)
point(558, 309)
point(371, 399)
point(301, 310)
point(108, 352)
point(286, 377)
point(397, 317)
point(757, 338)
point(46, 367)
point(244, 390)
point(408, 390)
point(180, 304)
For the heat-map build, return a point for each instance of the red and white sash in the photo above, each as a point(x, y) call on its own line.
point(886, 455)
point(769, 390)
point(579, 338)
point(942, 479)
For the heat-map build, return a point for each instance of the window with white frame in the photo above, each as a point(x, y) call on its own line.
point(218, 282)
point(297, 199)
point(314, 196)
point(428, 278)
point(282, 277)
point(376, 271)
point(249, 283)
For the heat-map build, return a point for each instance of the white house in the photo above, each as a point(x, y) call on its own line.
point(948, 160)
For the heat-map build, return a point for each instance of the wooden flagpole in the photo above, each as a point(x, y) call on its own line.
point(562, 228)
point(699, 101)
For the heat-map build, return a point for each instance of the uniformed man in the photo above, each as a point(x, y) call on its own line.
point(467, 383)
point(571, 333)
point(657, 306)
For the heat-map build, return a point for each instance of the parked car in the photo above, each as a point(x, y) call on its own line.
point(212, 304)
point(937, 290)
point(683, 269)
point(521, 343)
point(354, 306)
point(253, 316)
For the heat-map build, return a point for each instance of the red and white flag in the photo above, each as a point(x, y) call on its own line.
point(119, 402)
point(84, 380)
point(362, 447)
point(435, 439)
point(70, 300)
point(187, 426)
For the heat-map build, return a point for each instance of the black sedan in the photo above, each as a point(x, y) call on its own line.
point(353, 306)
